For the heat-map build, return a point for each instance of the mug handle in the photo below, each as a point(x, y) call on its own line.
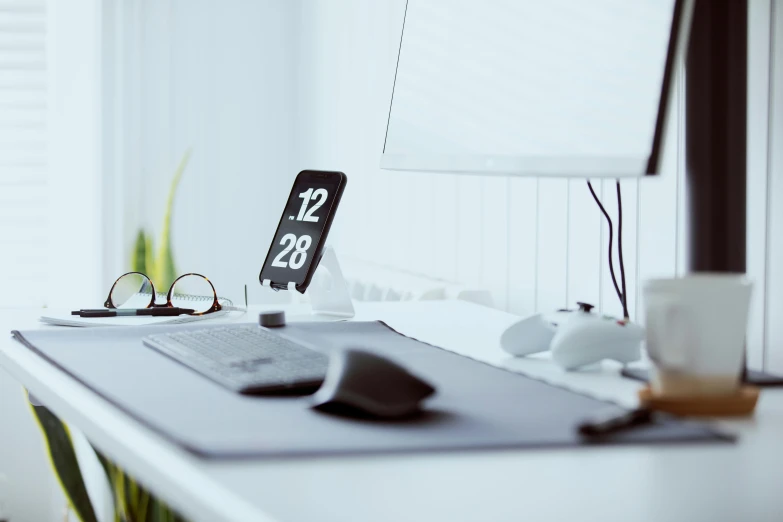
point(670, 334)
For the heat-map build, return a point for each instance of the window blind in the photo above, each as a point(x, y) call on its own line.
point(23, 153)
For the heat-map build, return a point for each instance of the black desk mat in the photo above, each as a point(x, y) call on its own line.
point(477, 406)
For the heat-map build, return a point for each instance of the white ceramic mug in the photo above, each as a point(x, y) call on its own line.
point(696, 328)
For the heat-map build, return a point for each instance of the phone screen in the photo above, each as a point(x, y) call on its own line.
point(303, 227)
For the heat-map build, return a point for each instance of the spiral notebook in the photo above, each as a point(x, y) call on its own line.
point(141, 300)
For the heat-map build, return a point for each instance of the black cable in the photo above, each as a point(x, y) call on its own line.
point(608, 220)
point(620, 248)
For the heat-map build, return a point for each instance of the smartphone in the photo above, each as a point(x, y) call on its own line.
point(304, 225)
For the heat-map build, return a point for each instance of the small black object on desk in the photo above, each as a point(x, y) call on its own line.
point(614, 422)
point(585, 307)
point(272, 318)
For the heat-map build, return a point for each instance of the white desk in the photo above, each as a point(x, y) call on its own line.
point(642, 483)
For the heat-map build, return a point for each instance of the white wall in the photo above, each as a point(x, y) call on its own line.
point(75, 180)
point(771, 257)
point(216, 77)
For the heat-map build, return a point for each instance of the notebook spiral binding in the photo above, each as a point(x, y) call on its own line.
point(225, 301)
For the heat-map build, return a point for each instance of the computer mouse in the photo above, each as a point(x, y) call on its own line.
point(363, 384)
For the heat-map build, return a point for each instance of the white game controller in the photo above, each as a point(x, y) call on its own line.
point(576, 338)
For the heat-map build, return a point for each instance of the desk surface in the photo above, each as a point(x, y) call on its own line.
point(643, 483)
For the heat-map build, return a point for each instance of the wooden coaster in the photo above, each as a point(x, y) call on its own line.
point(741, 403)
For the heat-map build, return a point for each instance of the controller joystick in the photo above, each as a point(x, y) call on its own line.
point(585, 307)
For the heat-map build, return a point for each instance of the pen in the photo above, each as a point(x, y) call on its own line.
point(604, 425)
point(155, 312)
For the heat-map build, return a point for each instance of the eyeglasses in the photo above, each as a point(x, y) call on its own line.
point(189, 291)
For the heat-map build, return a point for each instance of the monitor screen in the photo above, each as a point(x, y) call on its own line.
point(526, 87)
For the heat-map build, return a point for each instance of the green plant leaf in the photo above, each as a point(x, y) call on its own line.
point(164, 268)
point(149, 257)
point(134, 503)
point(139, 258)
point(64, 463)
point(110, 469)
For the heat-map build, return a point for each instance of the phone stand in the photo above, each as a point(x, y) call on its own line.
point(328, 292)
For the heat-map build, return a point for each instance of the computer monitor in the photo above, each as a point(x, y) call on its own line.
point(533, 88)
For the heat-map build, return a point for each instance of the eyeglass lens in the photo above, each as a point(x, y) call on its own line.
point(192, 291)
point(132, 291)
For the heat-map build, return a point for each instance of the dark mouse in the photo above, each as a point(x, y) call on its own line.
point(363, 384)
